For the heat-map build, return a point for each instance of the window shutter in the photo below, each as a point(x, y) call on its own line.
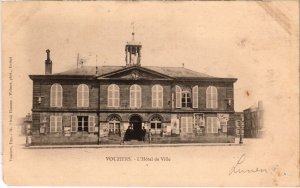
point(154, 96)
point(79, 96)
point(195, 97)
point(183, 124)
point(132, 97)
point(208, 97)
point(86, 96)
point(178, 97)
point(74, 123)
point(160, 98)
point(116, 96)
point(52, 124)
point(215, 98)
point(138, 98)
point(208, 125)
point(91, 124)
point(59, 96)
point(52, 96)
point(216, 124)
point(190, 125)
point(110, 97)
point(59, 123)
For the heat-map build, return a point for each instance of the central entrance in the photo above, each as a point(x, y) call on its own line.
point(136, 122)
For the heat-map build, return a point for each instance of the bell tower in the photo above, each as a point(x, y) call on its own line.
point(133, 52)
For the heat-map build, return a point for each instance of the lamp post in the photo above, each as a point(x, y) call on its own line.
point(241, 132)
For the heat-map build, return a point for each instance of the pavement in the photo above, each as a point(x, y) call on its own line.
point(126, 145)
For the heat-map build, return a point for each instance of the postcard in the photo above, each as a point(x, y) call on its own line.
point(150, 93)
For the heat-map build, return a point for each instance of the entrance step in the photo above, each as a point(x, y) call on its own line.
point(134, 142)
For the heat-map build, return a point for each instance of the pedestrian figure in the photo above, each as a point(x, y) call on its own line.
point(149, 136)
point(143, 134)
point(122, 135)
point(127, 134)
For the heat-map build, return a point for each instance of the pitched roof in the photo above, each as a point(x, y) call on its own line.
point(175, 72)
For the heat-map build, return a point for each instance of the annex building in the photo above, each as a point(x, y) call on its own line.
point(96, 105)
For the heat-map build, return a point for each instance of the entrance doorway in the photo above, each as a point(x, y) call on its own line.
point(136, 122)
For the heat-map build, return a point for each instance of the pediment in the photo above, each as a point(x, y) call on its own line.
point(135, 73)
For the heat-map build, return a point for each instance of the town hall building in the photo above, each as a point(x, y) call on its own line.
point(97, 105)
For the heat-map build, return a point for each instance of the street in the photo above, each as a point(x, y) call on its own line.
point(183, 166)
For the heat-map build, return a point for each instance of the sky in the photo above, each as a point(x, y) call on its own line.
point(242, 40)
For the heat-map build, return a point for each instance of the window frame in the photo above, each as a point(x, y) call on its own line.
point(84, 121)
point(157, 96)
point(81, 97)
point(188, 122)
point(57, 121)
point(55, 95)
point(185, 95)
point(114, 97)
point(211, 97)
point(135, 96)
point(211, 126)
point(156, 120)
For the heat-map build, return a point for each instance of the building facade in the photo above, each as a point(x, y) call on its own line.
point(96, 105)
point(253, 121)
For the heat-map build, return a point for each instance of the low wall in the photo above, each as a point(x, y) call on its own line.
point(64, 140)
point(93, 139)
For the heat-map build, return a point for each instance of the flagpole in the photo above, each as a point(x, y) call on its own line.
point(77, 60)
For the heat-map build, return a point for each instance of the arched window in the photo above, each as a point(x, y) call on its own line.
point(135, 96)
point(211, 97)
point(157, 96)
point(113, 96)
point(82, 95)
point(56, 95)
point(114, 123)
point(156, 124)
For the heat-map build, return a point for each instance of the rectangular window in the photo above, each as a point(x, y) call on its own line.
point(114, 127)
point(83, 123)
point(55, 124)
point(213, 124)
point(117, 128)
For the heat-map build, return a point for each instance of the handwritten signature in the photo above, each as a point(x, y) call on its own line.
point(236, 169)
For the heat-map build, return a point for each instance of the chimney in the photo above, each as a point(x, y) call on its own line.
point(48, 63)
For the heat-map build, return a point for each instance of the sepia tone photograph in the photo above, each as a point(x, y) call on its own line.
point(140, 93)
